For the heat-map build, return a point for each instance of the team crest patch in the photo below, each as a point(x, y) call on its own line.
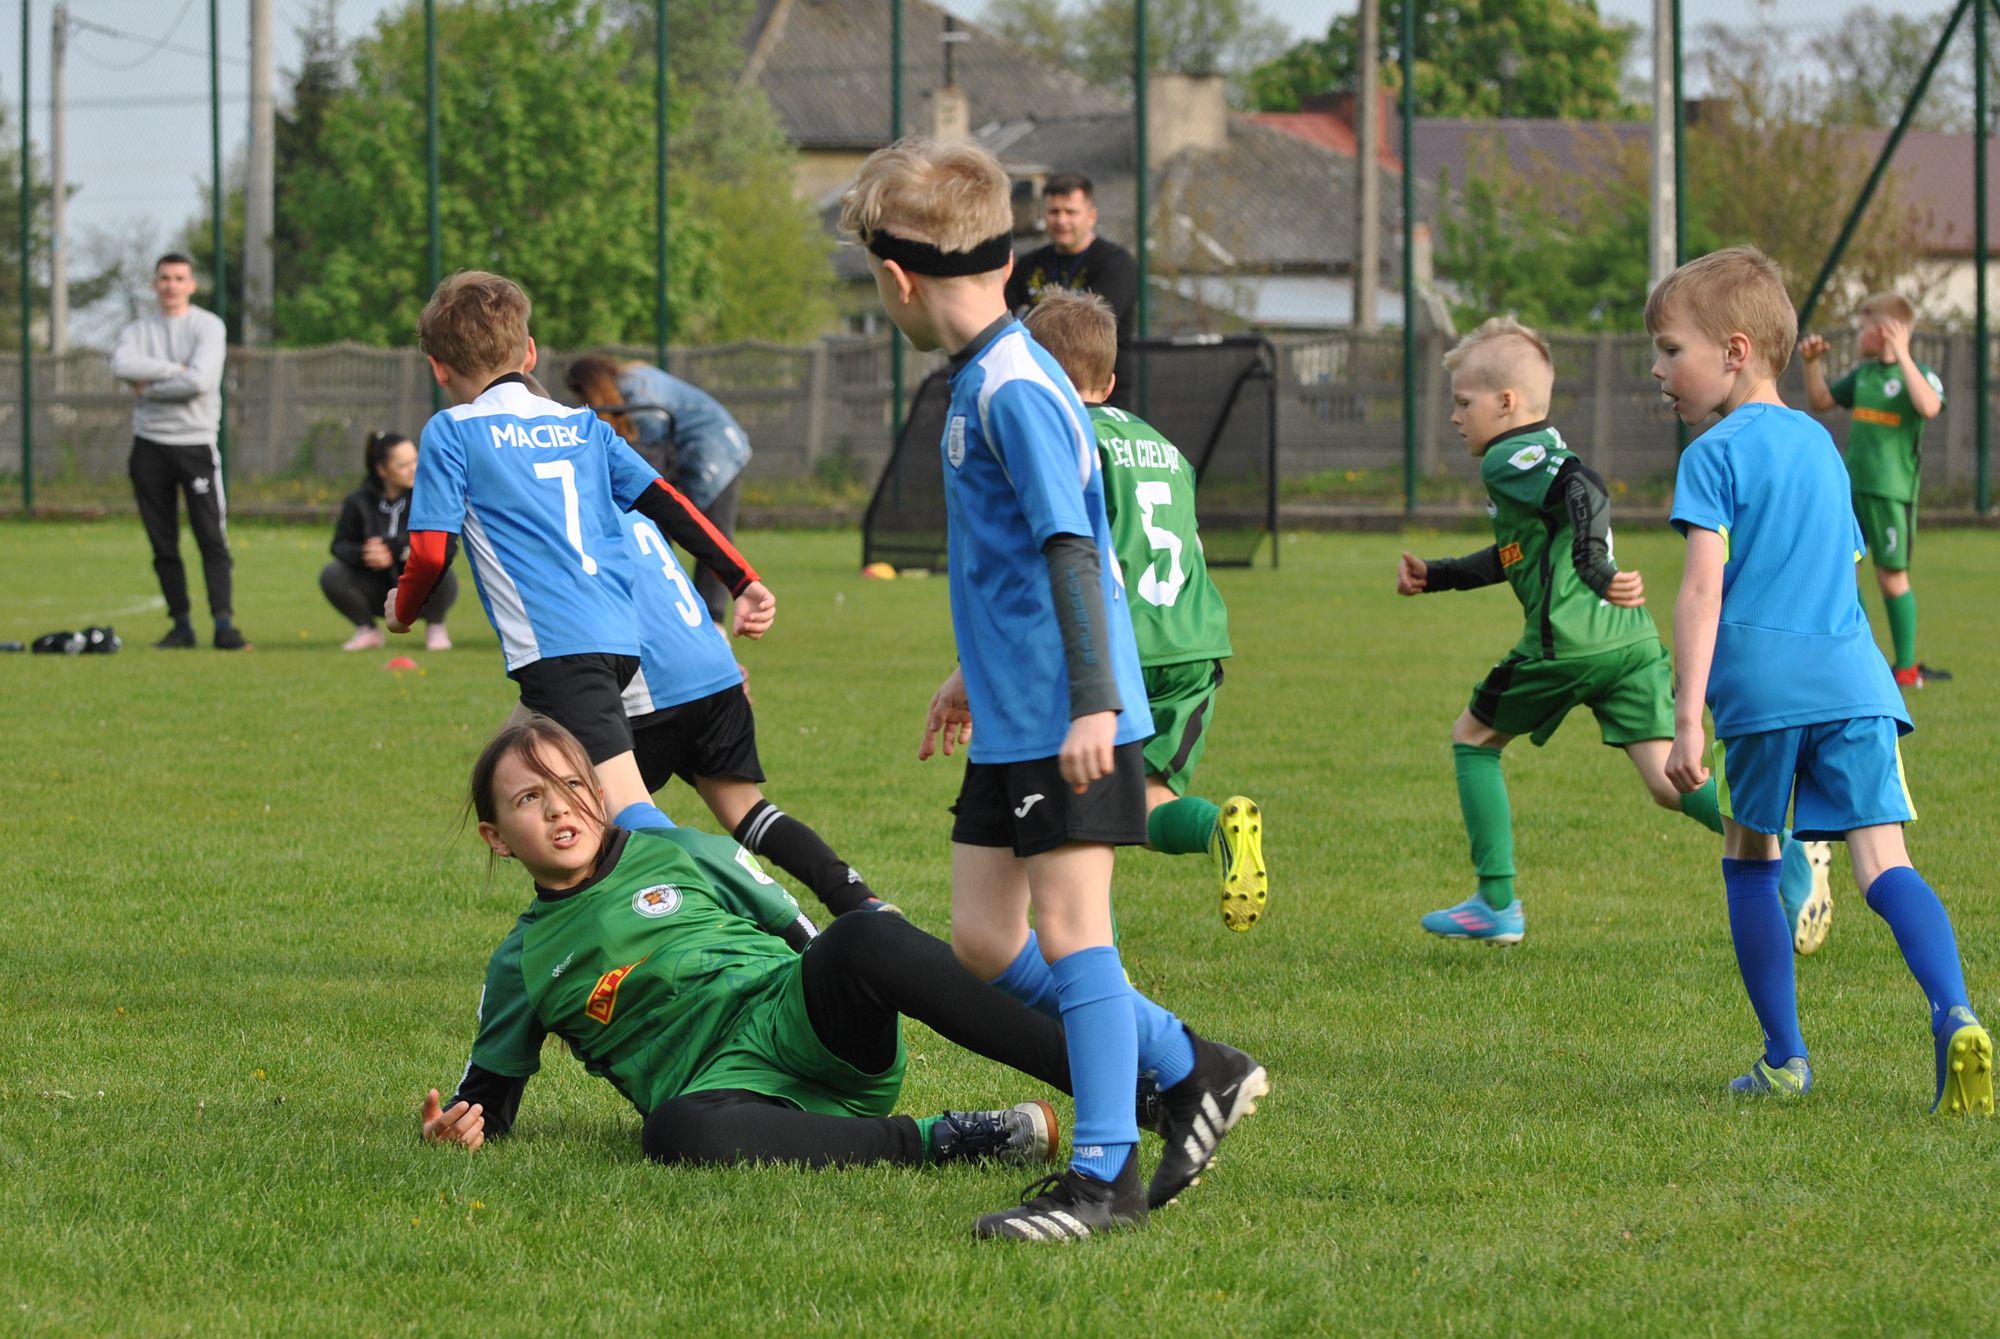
point(1893, 386)
point(954, 441)
point(662, 899)
point(604, 995)
point(1511, 554)
point(1528, 457)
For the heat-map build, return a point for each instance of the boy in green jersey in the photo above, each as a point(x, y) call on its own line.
point(1178, 617)
point(676, 969)
point(1588, 641)
point(1891, 396)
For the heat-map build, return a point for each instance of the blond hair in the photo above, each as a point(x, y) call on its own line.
point(953, 196)
point(475, 323)
point(1887, 307)
point(1080, 331)
point(1736, 291)
point(1501, 355)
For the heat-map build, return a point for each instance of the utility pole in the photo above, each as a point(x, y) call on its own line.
point(1367, 162)
point(1663, 241)
point(58, 185)
point(259, 203)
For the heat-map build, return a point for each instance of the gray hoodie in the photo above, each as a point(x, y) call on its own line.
point(179, 359)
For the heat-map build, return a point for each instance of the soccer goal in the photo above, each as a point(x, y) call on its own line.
point(1214, 397)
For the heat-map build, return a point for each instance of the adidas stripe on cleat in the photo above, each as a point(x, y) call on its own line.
point(1198, 1111)
point(1964, 1066)
point(1238, 847)
point(1070, 1206)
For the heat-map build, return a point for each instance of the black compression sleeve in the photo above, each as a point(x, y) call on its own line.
point(1079, 599)
point(1468, 573)
point(500, 1094)
point(1589, 508)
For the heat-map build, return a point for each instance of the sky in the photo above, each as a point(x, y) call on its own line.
point(138, 129)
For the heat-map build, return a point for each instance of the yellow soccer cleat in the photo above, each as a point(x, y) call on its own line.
point(1238, 849)
point(1964, 1066)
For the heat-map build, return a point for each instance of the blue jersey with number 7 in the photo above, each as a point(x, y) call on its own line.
point(536, 491)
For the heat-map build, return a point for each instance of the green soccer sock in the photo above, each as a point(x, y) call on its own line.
point(925, 1124)
point(1183, 826)
point(1489, 820)
point(1903, 626)
point(1702, 807)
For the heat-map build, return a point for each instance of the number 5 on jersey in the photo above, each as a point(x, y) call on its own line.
point(1154, 591)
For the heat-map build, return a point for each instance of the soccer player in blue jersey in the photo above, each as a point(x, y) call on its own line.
point(691, 718)
point(1769, 631)
point(535, 488)
point(1048, 670)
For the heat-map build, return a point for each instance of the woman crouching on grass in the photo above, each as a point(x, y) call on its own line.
point(675, 968)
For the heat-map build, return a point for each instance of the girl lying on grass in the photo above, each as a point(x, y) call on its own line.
point(675, 968)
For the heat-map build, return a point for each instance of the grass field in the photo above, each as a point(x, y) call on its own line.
point(243, 931)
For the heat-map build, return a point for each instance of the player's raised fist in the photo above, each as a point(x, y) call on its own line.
point(1411, 575)
point(1811, 347)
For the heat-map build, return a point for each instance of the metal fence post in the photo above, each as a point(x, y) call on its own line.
point(27, 291)
point(215, 198)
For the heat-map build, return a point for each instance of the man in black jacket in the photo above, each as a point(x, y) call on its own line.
point(1078, 260)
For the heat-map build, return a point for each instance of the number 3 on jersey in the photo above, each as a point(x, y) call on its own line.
point(1152, 589)
point(654, 545)
point(572, 519)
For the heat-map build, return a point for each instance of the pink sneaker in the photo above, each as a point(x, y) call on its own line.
point(365, 639)
point(436, 638)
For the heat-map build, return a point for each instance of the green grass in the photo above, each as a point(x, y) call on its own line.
point(242, 932)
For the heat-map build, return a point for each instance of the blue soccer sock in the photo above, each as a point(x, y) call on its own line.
point(1923, 931)
point(1764, 954)
point(642, 815)
point(1029, 980)
point(1165, 1050)
point(1097, 1018)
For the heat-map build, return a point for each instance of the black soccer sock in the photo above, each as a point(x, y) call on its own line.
point(796, 849)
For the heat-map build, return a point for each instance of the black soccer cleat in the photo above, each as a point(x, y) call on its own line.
point(1024, 1133)
point(1070, 1206)
point(1198, 1111)
point(178, 639)
point(230, 639)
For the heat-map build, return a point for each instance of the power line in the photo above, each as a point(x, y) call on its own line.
point(154, 46)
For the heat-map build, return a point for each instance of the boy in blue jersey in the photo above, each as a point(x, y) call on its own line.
point(691, 718)
point(1055, 780)
point(1769, 630)
point(535, 488)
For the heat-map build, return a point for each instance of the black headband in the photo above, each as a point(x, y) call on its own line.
point(923, 258)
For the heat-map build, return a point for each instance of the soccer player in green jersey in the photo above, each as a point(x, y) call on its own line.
point(1891, 396)
point(1588, 641)
point(1178, 617)
point(675, 968)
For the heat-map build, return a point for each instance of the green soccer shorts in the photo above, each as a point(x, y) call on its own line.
point(776, 1052)
point(1182, 698)
point(1889, 528)
point(1629, 690)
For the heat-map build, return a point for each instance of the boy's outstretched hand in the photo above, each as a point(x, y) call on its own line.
point(1087, 749)
point(1626, 590)
point(756, 607)
point(1411, 574)
point(1812, 347)
point(1686, 767)
point(950, 720)
point(464, 1123)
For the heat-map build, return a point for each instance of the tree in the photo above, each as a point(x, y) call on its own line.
point(1094, 37)
point(82, 291)
point(1872, 60)
point(1472, 60)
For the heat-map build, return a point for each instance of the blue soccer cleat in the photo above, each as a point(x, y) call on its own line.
point(1964, 1066)
point(1791, 1079)
point(1474, 919)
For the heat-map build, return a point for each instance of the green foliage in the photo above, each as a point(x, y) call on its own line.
point(82, 291)
point(243, 909)
point(1557, 58)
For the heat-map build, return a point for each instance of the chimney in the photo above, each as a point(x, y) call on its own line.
point(1185, 111)
point(1341, 106)
point(951, 113)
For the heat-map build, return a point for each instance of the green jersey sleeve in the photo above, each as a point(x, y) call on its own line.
point(510, 1033)
point(1843, 389)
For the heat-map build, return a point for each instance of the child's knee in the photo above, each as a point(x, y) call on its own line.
point(687, 1130)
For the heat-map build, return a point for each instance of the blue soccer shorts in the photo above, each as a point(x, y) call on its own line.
point(1831, 778)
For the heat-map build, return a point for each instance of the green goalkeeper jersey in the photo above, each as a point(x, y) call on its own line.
point(1886, 440)
point(648, 970)
point(1535, 537)
point(1177, 613)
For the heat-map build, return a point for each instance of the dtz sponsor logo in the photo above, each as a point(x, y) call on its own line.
point(604, 995)
point(546, 436)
